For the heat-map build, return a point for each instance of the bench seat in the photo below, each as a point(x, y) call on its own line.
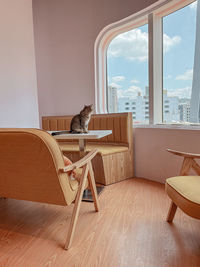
point(114, 161)
point(103, 149)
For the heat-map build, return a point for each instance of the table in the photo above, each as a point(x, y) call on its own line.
point(82, 137)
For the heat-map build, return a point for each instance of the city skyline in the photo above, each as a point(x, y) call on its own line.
point(175, 110)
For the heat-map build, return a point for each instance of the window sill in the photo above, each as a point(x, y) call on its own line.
point(168, 126)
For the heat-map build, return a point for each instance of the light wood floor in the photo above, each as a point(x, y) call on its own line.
point(130, 230)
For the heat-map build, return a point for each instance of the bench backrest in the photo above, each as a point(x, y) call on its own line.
point(29, 167)
point(119, 123)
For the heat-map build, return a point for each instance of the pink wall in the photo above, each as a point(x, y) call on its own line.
point(151, 159)
point(65, 32)
point(18, 85)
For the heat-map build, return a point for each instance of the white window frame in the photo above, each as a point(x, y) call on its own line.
point(153, 16)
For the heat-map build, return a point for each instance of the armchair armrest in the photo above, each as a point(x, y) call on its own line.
point(80, 163)
point(184, 154)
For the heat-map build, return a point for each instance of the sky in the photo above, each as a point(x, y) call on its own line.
point(127, 56)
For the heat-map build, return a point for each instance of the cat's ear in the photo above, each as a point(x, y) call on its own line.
point(91, 105)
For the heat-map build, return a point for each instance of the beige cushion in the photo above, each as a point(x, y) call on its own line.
point(187, 186)
point(103, 149)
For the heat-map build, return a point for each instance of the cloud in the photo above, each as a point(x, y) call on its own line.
point(188, 75)
point(169, 76)
point(116, 85)
point(132, 91)
point(118, 78)
point(181, 92)
point(134, 81)
point(133, 45)
point(169, 42)
point(193, 6)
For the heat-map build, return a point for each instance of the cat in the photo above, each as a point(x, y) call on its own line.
point(79, 123)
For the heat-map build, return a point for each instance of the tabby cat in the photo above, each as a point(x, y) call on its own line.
point(79, 123)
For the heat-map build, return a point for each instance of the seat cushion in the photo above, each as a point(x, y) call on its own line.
point(102, 148)
point(187, 186)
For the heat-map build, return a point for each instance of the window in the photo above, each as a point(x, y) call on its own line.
point(127, 72)
point(152, 65)
point(179, 31)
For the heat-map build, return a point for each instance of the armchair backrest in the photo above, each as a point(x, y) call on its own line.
point(30, 160)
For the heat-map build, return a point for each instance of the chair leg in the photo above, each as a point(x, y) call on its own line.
point(93, 188)
point(77, 204)
point(171, 212)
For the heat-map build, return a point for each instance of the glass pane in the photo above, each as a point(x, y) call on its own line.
point(179, 30)
point(127, 74)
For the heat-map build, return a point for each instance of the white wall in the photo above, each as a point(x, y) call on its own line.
point(152, 161)
point(18, 86)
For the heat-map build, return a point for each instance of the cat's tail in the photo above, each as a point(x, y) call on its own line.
point(75, 132)
point(60, 133)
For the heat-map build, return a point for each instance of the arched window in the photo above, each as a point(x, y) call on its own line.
point(144, 64)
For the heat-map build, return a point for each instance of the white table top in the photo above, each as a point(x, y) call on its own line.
point(90, 135)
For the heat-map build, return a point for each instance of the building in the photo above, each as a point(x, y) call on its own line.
point(112, 99)
point(184, 109)
point(170, 108)
point(139, 106)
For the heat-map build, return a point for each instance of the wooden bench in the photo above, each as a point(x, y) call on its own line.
point(114, 161)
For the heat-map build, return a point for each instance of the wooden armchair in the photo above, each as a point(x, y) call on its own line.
point(32, 168)
point(184, 190)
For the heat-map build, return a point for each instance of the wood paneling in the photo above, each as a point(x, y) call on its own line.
point(129, 230)
point(108, 169)
point(119, 123)
point(103, 126)
point(61, 124)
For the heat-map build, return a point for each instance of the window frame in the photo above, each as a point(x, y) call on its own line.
point(153, 16)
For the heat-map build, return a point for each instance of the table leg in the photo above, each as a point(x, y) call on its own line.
point(87, 195)
point(82, 146)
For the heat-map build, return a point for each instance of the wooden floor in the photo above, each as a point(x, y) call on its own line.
point(130, 230)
